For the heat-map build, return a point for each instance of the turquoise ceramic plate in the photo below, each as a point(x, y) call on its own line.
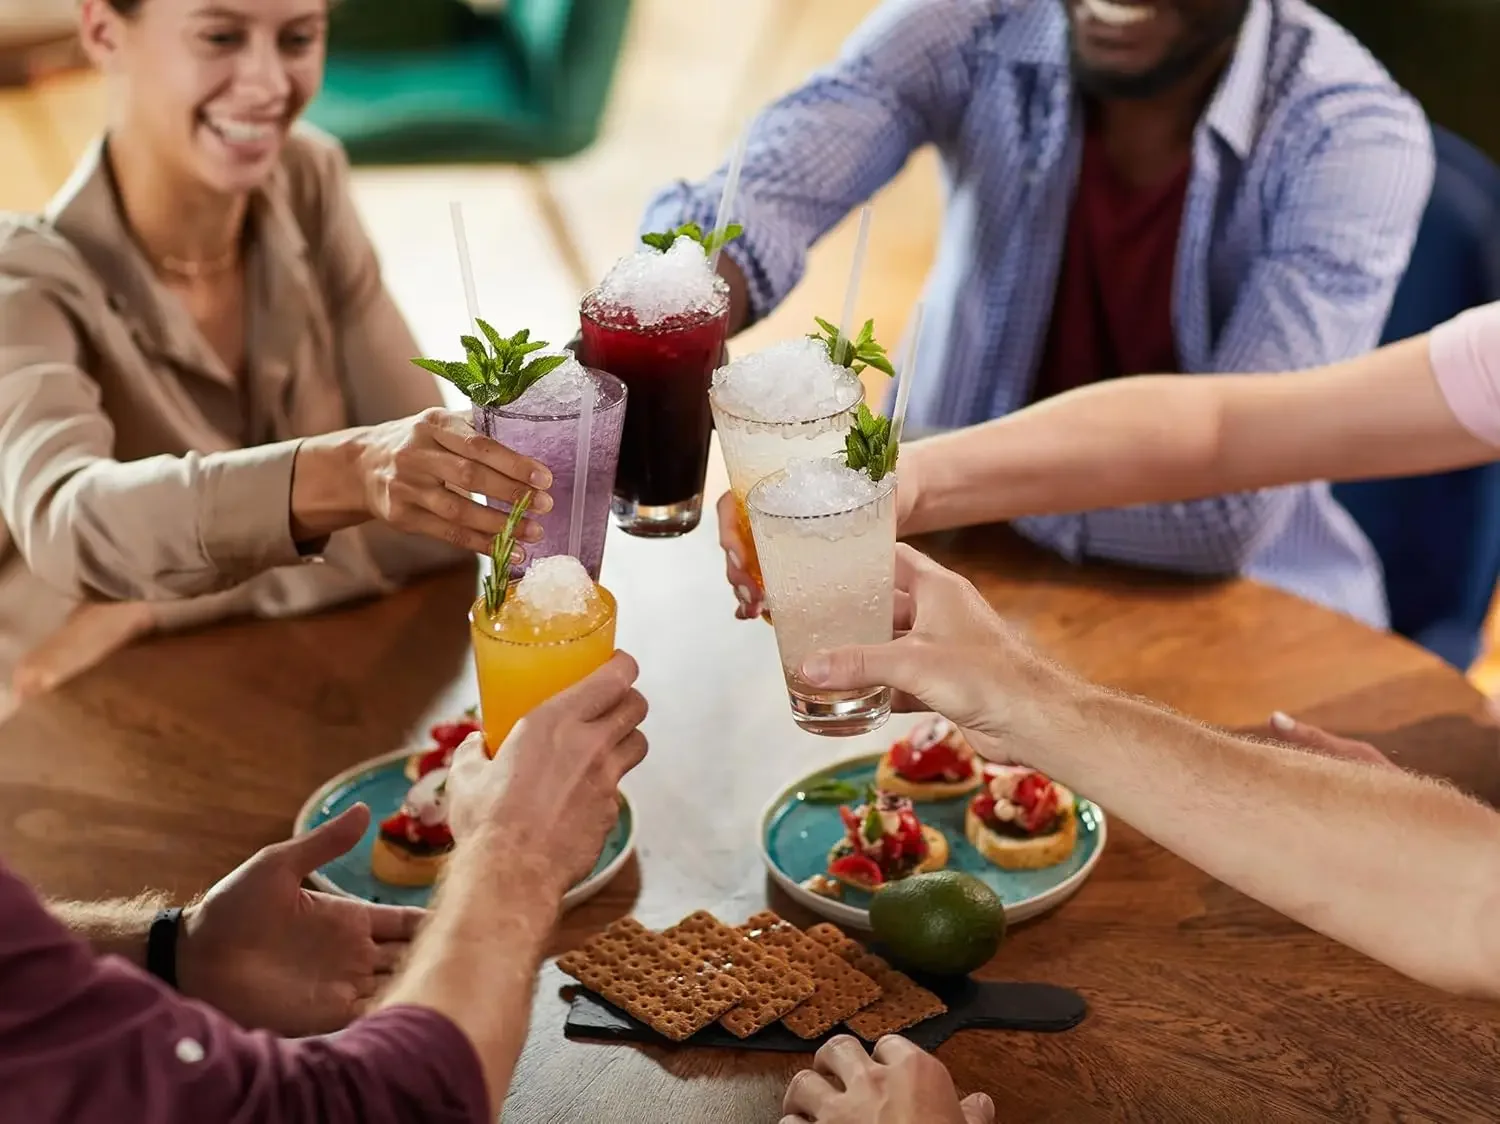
point(795, 838)
point(382, 784)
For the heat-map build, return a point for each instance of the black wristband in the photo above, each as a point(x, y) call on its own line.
point(161, 946)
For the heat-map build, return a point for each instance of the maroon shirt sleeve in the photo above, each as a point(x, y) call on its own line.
point(85, 1040)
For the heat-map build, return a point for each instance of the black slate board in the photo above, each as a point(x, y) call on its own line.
point(972, 1005)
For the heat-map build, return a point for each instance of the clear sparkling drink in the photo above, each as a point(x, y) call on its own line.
point(787, 402)
point(827, 541)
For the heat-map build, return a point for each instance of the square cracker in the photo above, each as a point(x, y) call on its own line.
point(775, 987)
point(904, 1002)
point(841, 990)
point(654, 979)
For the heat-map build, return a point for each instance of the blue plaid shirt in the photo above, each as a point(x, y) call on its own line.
point(1311, 170)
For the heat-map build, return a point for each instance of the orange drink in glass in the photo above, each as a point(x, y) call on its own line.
point(555, 627)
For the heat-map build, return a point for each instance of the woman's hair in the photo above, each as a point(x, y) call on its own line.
point(126, 7)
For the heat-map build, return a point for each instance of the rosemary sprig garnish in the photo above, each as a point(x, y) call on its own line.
point(497, 581)
point(499, 373)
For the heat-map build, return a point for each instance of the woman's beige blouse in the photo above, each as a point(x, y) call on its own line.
point(134, 465)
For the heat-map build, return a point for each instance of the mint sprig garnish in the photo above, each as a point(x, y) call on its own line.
point(872, 829)
point(868, 446)
point(497, 581)
point(713, 240)
point(856, 354)
point(497, 374)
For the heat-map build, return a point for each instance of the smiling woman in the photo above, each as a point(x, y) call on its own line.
point(203, 380)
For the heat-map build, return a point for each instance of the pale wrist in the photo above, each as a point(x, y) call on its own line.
point(500, 860)
point(1056, 719)
point(328, 492)
point(190, 979)
point(913, 487)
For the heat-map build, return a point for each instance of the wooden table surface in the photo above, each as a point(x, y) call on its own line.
point(177, 759)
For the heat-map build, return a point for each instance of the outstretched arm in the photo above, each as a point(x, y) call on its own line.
point(1162, 438)
point(1318, 838)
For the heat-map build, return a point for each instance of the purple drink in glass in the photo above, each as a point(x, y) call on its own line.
point(543, 424)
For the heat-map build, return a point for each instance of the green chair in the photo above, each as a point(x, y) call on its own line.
point(427, 81)
point(1443, 51)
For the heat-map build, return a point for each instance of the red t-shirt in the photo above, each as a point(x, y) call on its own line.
point(1112, 315)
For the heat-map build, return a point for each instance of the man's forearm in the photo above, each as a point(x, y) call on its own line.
point(491, 922)
point(1319, 839)
point(112, 928)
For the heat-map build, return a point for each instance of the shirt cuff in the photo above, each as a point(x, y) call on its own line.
point(433, 1035)
point(1063, 534)
point(1472, 390)
point(245, 509)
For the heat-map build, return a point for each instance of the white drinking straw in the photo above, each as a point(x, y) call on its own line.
point(851, 294)
point(465, 265)
point(731, 194)
point(581, 469)
point(906, 371)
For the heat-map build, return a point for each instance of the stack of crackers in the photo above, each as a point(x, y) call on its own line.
point(746, 978)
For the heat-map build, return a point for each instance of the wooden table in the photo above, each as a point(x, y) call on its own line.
point(177, 759)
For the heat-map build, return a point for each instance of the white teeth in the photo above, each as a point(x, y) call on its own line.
point(1117, 15)
point(240, 132)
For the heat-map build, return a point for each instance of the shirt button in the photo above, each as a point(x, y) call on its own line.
point(189, 1050)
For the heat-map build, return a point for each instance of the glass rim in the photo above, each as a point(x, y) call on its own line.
point(599, 376)
point(887, 485)
point(713, 400)
point(609, 599)
point(721, 293)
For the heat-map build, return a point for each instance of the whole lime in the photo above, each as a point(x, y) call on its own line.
point(946, 922)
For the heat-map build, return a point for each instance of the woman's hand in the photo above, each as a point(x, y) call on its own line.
point(92, 632)
point(737, 548)
point(416, 474)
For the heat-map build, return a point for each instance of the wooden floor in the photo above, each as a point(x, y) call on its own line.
point(541, 236)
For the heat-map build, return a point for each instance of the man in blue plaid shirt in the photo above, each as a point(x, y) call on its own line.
point(1132, 186)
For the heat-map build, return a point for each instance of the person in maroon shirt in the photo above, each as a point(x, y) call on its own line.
point(90, 1039)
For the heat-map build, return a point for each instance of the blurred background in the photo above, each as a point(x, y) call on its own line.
point(554, 120)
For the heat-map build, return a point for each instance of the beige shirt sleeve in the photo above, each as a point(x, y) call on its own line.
point(91, 526)
point(375, 346)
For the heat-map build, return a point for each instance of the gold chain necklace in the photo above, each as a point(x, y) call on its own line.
point(196, 270)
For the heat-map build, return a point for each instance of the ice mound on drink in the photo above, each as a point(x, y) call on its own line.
point(559, 394)
point(651, 288)
point(811, 488)
point(556, 592)
point(791, 381)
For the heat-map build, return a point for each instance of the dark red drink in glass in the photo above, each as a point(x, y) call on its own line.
point(666, 368)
